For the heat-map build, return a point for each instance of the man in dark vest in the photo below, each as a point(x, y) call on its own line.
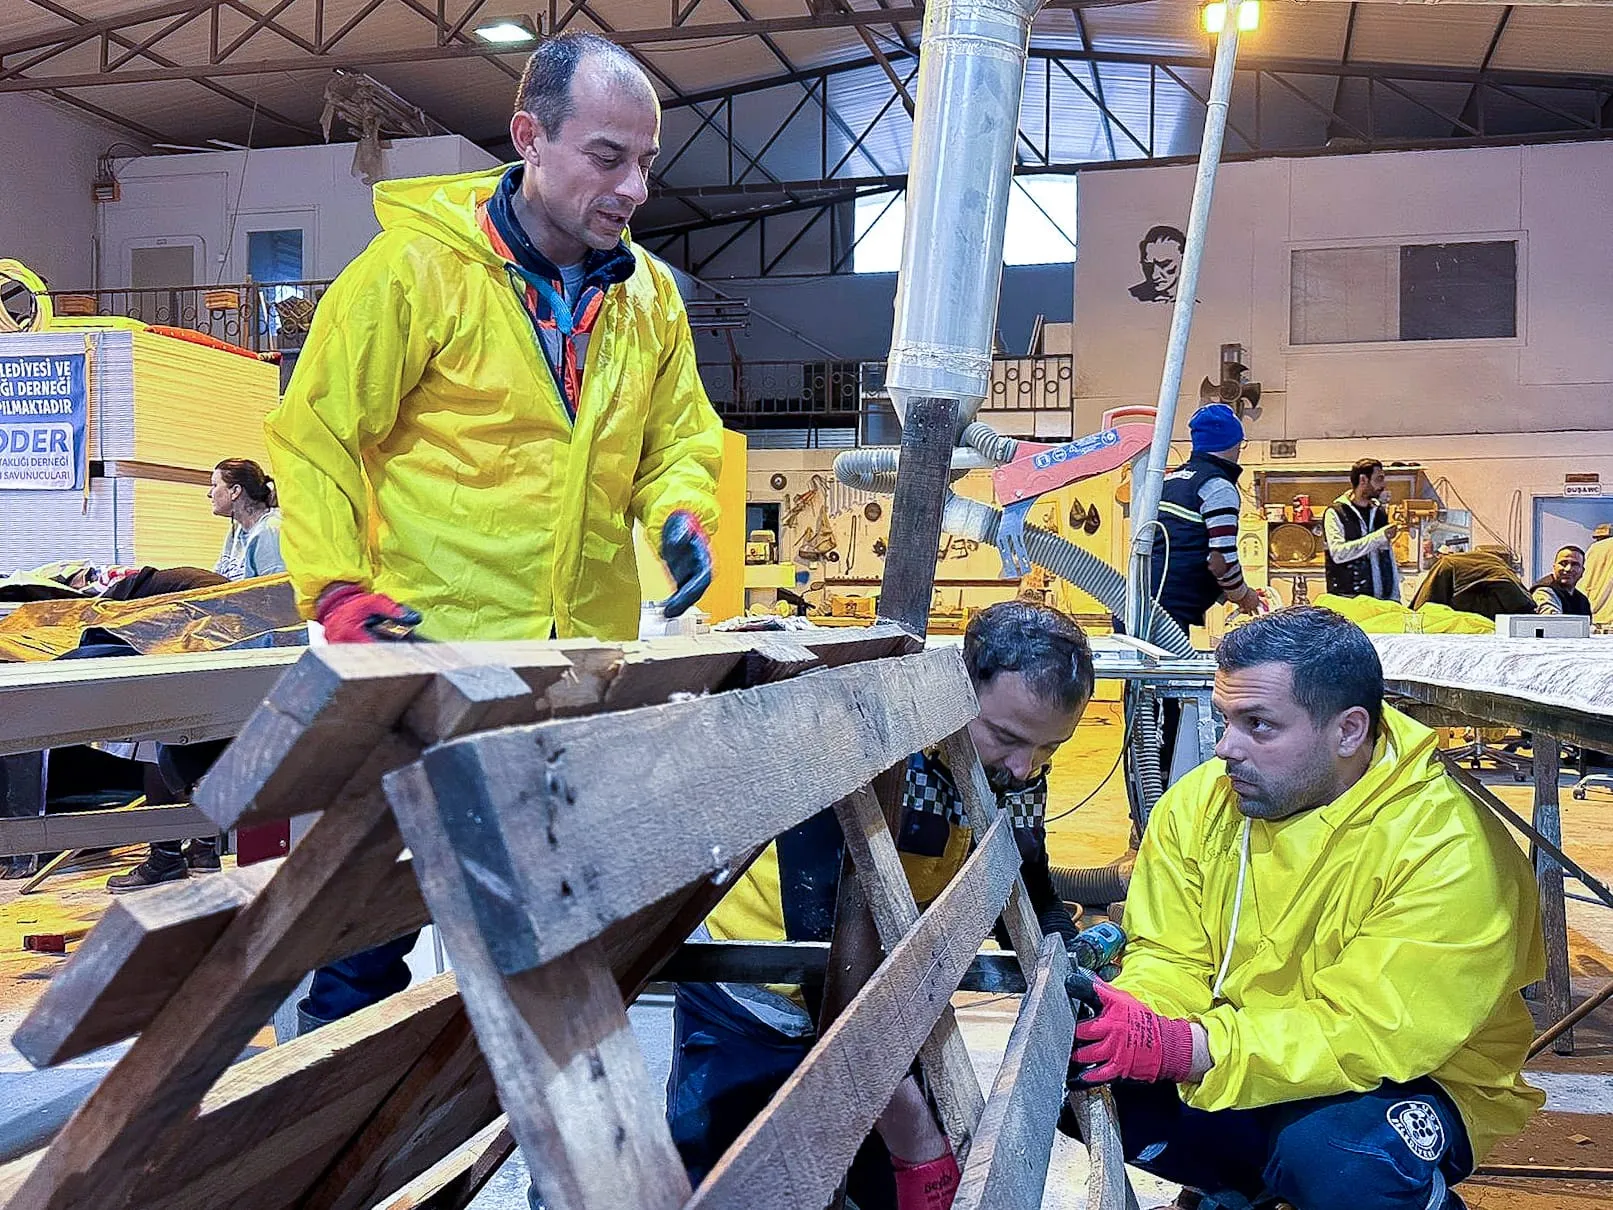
point(1559, 592)
point(1195, 562)
point(1360, 551)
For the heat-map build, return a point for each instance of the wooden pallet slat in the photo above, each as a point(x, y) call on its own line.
point(569, 1070)
point(945, 1056)
point(540, 811)
point(1007, 1167)
point(830, 1102)
point(125, 1127)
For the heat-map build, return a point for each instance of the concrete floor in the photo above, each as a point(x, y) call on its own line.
point(1576, 1129)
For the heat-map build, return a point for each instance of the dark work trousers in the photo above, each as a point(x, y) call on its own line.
point(344, 987)
point(1398, 1147)
point(726, 1066)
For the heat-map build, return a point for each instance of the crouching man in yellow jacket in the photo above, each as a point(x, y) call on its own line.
point(1321, 1001)
point(490, 396)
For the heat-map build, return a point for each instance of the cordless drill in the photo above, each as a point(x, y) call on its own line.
point(1098, 949)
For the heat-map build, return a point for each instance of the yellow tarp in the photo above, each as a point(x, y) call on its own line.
point(1389, 617)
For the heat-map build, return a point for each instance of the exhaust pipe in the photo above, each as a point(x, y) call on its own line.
point(971, 78)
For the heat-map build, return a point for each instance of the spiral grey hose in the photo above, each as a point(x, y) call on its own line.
point(1098, 885)
point(871, 468)
point(982, 437)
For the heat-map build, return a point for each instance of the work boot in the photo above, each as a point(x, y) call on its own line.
point(156, 869)
point(201, 855)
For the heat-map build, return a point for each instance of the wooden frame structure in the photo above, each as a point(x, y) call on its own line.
point(571, 811)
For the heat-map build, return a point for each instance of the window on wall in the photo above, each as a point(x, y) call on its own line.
point(1466, 290)
point(1041, 226)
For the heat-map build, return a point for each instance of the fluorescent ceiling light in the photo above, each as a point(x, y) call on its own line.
point(506, 30)
point(1215, 17)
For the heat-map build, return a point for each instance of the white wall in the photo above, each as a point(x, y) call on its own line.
point(852, 313)
point(47, 217)
point(1500, 420)
point(213, 199)
point(1556, 375)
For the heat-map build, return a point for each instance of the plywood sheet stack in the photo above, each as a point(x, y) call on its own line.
point(165, 410)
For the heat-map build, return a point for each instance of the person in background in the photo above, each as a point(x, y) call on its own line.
point(1360, 539)
point(1322, 997)
point(243, 493)
point(1558, 593)
point(491, 395)
point(1474, 581)
point(1598, 582)
point(1195, 563)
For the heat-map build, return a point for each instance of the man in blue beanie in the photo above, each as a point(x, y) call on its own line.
point(1195, 560)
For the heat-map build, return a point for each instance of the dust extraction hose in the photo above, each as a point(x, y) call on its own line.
point(972, 519)
point(1099, 886)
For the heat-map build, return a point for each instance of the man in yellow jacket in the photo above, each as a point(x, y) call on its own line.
point(1321, 1001)
point(490, 396)
point(500, 385)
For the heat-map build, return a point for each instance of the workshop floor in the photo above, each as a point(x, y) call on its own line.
point(1575, 1130)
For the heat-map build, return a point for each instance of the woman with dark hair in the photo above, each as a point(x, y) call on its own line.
point(243, 493)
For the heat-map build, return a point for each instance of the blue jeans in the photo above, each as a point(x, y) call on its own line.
point(342, 988)
point(726, 1066)
point(1398, 1147)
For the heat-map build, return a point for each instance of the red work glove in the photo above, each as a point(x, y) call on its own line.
point(1125, 1040)
point(686, 551)
point(928, 1186)
point(351, 615)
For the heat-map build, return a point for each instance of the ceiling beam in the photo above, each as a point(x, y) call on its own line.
point(168, 64)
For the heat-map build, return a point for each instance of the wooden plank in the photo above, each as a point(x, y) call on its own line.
point(102, 829)
point(569, 1070)
point(980, 808)
point(409, 1132)
point(133, 960)
point(181, 698)
point(445, 1185)
point(1007, 1167)
point(319, 726)
point(126, 1127)
point(944, 1055)
point(1108, 1187)
point(830, 1102)
point(929, 433)
point(269, 1117)
point(541, 812)
point(1553, 908)
point(140, 953)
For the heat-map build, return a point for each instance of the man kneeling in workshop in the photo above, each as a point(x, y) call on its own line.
point(735, 1044)
point(1320, 1004)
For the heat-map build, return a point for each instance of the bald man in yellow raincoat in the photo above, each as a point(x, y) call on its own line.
point(491, 395)
point(500, 385)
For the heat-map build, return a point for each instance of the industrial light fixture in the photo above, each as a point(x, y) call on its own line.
point(1215, 17)
point(507, 31)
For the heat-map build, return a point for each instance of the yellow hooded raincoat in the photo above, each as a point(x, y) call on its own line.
point(1387, 935)
point(423, 450)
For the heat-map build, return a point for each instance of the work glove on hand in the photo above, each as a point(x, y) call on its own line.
point(686, 551)
point(930, 1185)
point(349, 614)
point(1125, 1040)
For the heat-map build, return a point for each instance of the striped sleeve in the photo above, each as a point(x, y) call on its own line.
point(1219, 504)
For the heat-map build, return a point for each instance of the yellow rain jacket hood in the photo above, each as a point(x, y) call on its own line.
point(1385, 936)
point(422, 448)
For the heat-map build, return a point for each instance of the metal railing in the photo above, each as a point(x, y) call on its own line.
point(261, 316)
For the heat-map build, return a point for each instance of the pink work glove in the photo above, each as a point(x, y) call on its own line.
point(930, 1185)
point(349, 614)
point(1125, 1040)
